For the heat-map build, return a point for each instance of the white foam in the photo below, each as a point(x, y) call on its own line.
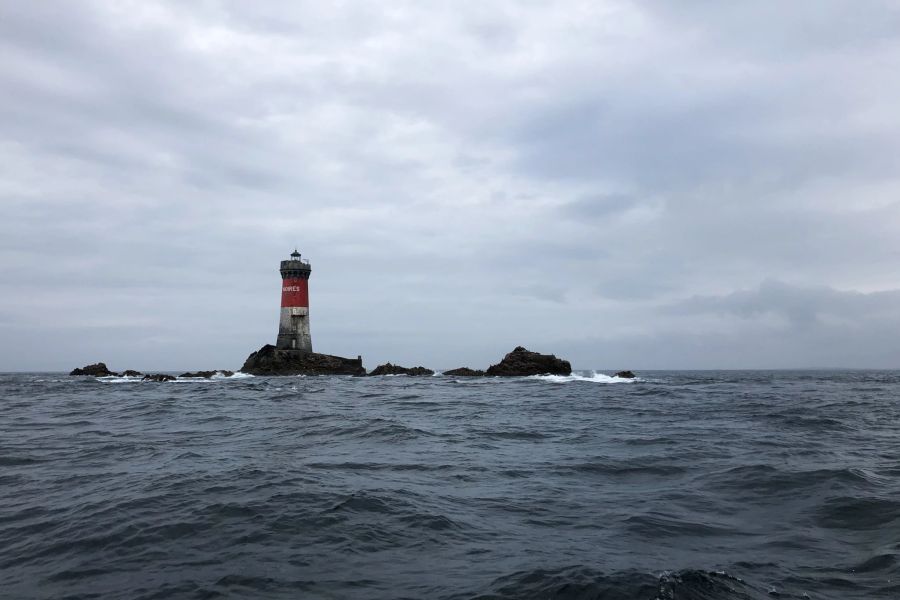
point(117, 379)
point(594, 377)
point(218, 376)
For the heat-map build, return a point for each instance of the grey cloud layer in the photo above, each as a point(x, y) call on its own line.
point(709, 186)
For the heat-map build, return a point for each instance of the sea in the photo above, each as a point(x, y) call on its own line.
point(706, 485)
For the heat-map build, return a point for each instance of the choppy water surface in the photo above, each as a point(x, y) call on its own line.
point(682, 485)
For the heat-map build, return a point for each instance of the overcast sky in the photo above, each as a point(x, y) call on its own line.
point(647, 184)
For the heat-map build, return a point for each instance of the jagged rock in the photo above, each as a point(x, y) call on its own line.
point(270, 360)
point(131, 373)
point(625, 374)
point(389, 369)
point(158, 377)
point(207, 374)
point(96, 370)
point(521, 362)
point(465, 372)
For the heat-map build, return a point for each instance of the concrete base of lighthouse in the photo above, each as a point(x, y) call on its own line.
point(293, 329)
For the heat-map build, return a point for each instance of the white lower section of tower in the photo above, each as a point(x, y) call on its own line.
point(293, 329)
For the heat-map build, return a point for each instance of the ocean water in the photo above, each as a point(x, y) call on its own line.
point(679, 485)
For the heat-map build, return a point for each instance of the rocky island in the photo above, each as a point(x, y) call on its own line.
point(270, 360)
point(465, 372)
point(206, 374)
point(96, 370)
point(101, 370)
point(389, 369)
point(519, 363)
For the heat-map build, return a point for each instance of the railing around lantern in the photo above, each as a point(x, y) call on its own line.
point(304, 261)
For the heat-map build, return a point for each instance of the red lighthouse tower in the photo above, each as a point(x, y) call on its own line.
point(293, 327)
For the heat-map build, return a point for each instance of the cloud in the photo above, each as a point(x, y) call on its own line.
point(486, 176)
point(775, 325)
point(799, 306)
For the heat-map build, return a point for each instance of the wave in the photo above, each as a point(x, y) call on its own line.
point(577, 583)
point(594, 377)
point(859, 514)
point(219, 376)
point(646, 466)
point(767, 482)
point(119, 379)
point(240, 375)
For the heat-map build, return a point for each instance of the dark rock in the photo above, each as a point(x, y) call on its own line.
point(97, 370)
point(158, 377)
point(465, 372)
point(269, 360)
point(389, 369)
point(131, 373)
point(207, 374)
point(521, 362)
point(625, 375)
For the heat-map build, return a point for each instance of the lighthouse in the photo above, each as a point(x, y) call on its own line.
point(293, 327)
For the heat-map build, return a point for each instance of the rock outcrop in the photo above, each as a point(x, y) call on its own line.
point(100, 370)
point(389, 369)
point(521, 362)
point(207, 374)
point(465, 372)
point(269, 360)
point(158, 377)
point(95, 370)
point(625, 374)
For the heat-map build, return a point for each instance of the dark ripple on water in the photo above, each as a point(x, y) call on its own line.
point(705, 485)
